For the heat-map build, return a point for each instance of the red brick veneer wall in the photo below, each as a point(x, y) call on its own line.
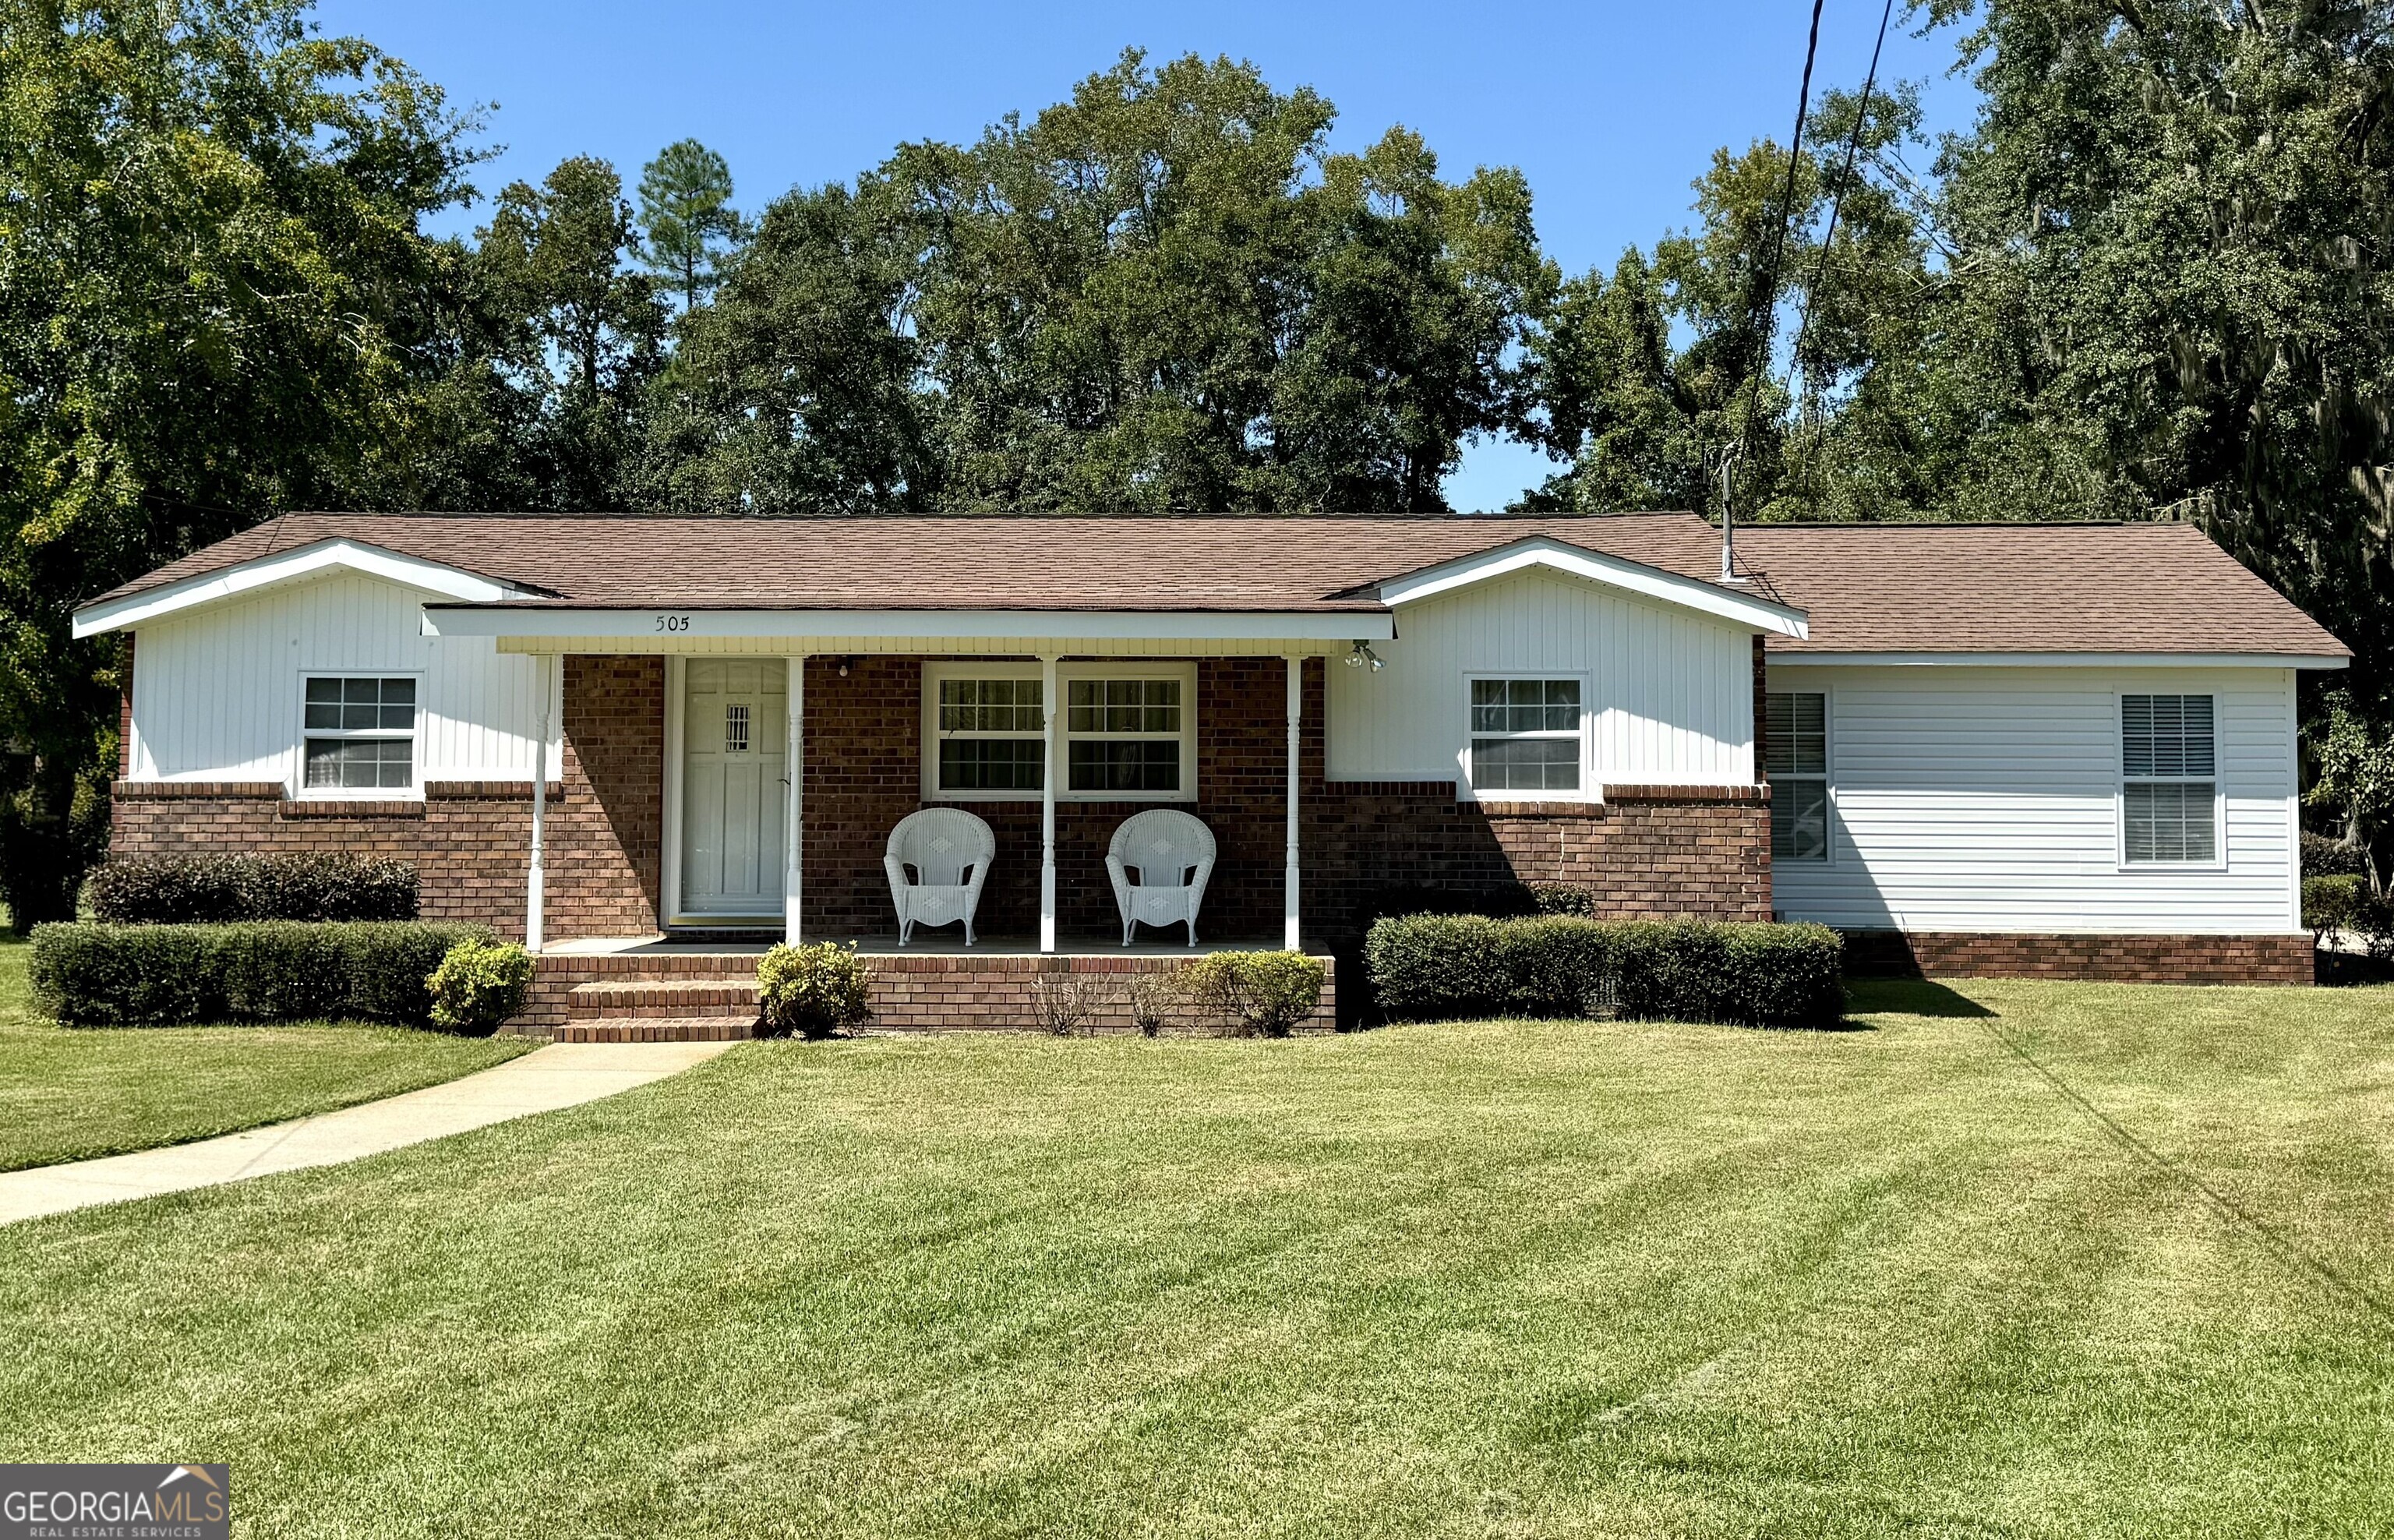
point(929, 991)
point(470, 841)
point(2113, 959)
point(1646, 850)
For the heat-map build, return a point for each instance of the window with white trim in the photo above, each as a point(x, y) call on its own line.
point(989, 736)
point(1526, 735)
point(2169, 793)
point(1125, 736)
point(1795, 760)
point(357, 733)
point(1125, 733)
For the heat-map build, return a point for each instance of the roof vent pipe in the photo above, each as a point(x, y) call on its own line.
point(1729, 517)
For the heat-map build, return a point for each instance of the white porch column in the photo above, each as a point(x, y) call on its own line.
point(1289, 938)
point(536, 895)
point(1047, 807)
point(794, 759)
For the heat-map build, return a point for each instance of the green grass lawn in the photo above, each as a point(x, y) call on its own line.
point(70, 1094)
point(2099, 1261)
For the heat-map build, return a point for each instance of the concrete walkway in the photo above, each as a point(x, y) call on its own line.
point(562, 1074)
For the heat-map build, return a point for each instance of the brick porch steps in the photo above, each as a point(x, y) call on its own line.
point(655, 997)
point(681, 1029)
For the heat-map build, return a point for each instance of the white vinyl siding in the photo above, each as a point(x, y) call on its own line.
point(1668, 696)
point(217, 693)
point(1989, 800)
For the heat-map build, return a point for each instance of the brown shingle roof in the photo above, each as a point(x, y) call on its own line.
point(2025, 588)
point(930, 563)
point(1886, 587)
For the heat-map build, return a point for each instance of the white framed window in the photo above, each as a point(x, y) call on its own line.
point(1796, 761)
point(1126, 732)
point(1527, 735)
point(983, 736)
point(2169, 789)
point(357, 734)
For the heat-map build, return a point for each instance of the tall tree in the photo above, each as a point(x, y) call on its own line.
point(208, 236)
point(555, 265)
point(1163, 294)
point(2174, 235)
point(686, 211)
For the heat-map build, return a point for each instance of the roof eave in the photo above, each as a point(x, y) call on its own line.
point(2055, 658)
point(316, 559)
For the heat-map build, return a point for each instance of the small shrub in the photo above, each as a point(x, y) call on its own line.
point(171, 975)
point(221, 889)
point(479, 984)
point(1149, 998)
point(2331, 903)
point(1064, 1002)
point(814, 990)
point(1255, 993)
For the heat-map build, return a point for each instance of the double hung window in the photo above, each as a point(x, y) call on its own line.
point(1122, 736)
point(2169, 793)
point(1796, 758)
point(990, 735)
point(1526, 735)
point(357, 733)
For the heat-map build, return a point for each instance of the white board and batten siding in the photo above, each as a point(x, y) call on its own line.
point(217, 691)
point(1971, 799)
point(1667, 694)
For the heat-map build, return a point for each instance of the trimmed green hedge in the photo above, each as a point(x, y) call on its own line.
point(265, 971)
point(222, 889)
point(1457, 967)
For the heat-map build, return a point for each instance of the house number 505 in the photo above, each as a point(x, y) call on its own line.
point(673, 623)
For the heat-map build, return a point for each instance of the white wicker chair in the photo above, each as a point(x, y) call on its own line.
point(1159, 861)
point(936, 861)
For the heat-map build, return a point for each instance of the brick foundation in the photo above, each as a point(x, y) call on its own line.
point(2111, 959)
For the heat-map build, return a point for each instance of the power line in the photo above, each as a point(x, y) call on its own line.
point(1765, 303)
point(1838, 200)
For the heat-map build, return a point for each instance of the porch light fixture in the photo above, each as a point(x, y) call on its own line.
point(1362, 654)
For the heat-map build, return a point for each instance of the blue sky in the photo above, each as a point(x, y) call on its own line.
point(1610, 109)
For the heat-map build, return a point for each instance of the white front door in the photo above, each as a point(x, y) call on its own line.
point(735, 759)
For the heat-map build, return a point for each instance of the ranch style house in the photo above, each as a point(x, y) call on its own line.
point(1986, 749)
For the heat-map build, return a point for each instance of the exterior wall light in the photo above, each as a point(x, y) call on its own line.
point(1361, 654)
